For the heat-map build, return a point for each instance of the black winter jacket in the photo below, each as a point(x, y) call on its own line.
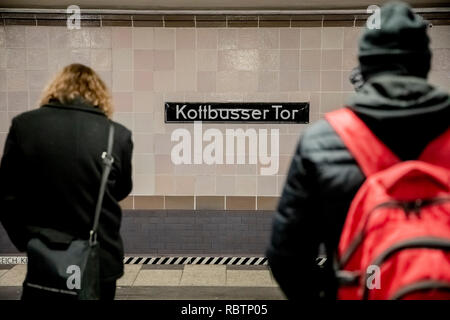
point(406, 113)
point(50, 177)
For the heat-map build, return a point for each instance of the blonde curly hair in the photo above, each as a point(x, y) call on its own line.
point(77, 80)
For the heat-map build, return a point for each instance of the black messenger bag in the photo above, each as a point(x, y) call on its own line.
point(61, 266)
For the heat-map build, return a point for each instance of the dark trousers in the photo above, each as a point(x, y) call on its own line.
point(107, 292)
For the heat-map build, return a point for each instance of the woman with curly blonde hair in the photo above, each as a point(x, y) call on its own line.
point(79, 81)
point(51, 169)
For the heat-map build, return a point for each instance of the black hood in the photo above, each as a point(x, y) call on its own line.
point(405, 112)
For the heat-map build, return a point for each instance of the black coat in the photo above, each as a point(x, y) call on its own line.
point(406, 113)
point(50, 177)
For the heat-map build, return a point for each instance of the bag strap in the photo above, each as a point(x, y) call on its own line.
point(438, 151)
point(371, 154)
point(107, 162)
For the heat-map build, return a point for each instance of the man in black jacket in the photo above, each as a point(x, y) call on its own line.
point(399, 106)
point(50, 178)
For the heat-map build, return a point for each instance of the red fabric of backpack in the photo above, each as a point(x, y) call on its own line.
point(395, 243)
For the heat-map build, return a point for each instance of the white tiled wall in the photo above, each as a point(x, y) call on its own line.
point(146, 66)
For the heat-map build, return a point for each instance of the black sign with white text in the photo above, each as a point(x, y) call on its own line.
point(277, 112)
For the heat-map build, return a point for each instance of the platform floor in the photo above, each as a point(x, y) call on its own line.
point(174, 282)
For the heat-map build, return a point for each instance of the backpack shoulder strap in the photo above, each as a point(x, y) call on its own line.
point(438, 151)
point(371, 154)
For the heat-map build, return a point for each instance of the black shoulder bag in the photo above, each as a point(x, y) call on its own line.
point(61, 266)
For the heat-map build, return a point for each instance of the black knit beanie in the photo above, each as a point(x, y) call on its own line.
point(400, 46)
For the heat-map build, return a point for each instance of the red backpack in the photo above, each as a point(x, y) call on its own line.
point(396, 239)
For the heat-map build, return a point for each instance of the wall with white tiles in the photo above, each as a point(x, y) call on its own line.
point(146, 66)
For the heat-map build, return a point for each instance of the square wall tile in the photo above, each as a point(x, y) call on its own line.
point(332, 38)
point(59, 37)
point(311, 38)
point(207, 60)
point(185, 38)
point(100, 37)
point(205, 185)
point(144, 101)
point(144, 163)
point(164, 60)
point(245, 185)
point(310, 60)
point(79, 38)
point(269, 60)
point(143, 38)
point(143, 80)
point(143, 184)
point(162, 144)
point(122, 80)
point(289, 60)
point(225, 185)
point(268, 81)
point(143, 142)
point(163, 164)
point(164, 81)
point(164, 38)
point(289, 38)
point(331, 80)
point(206, 81)
point(269, 38)
point(143, 122)
point(185, 61)
point(207, 38)
point(184, 185)
point(248, 81)
point(16, 58)
point(332, 59)
point(37, 59)
point(309, 80)
point(227, 81)
point(186, 81)
point(267, 185)
point(123, 101)
point(289, 80)
point(16, 80)
point(38, 79)
point(248, 38)
point(228, 38)
point(15, 37)
point(351, 37)
point(17, 100)
point(164, 184)
point(143, 59)
point(121, 37)
point(122, 58)
point(37, 37)
point(101, 59)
